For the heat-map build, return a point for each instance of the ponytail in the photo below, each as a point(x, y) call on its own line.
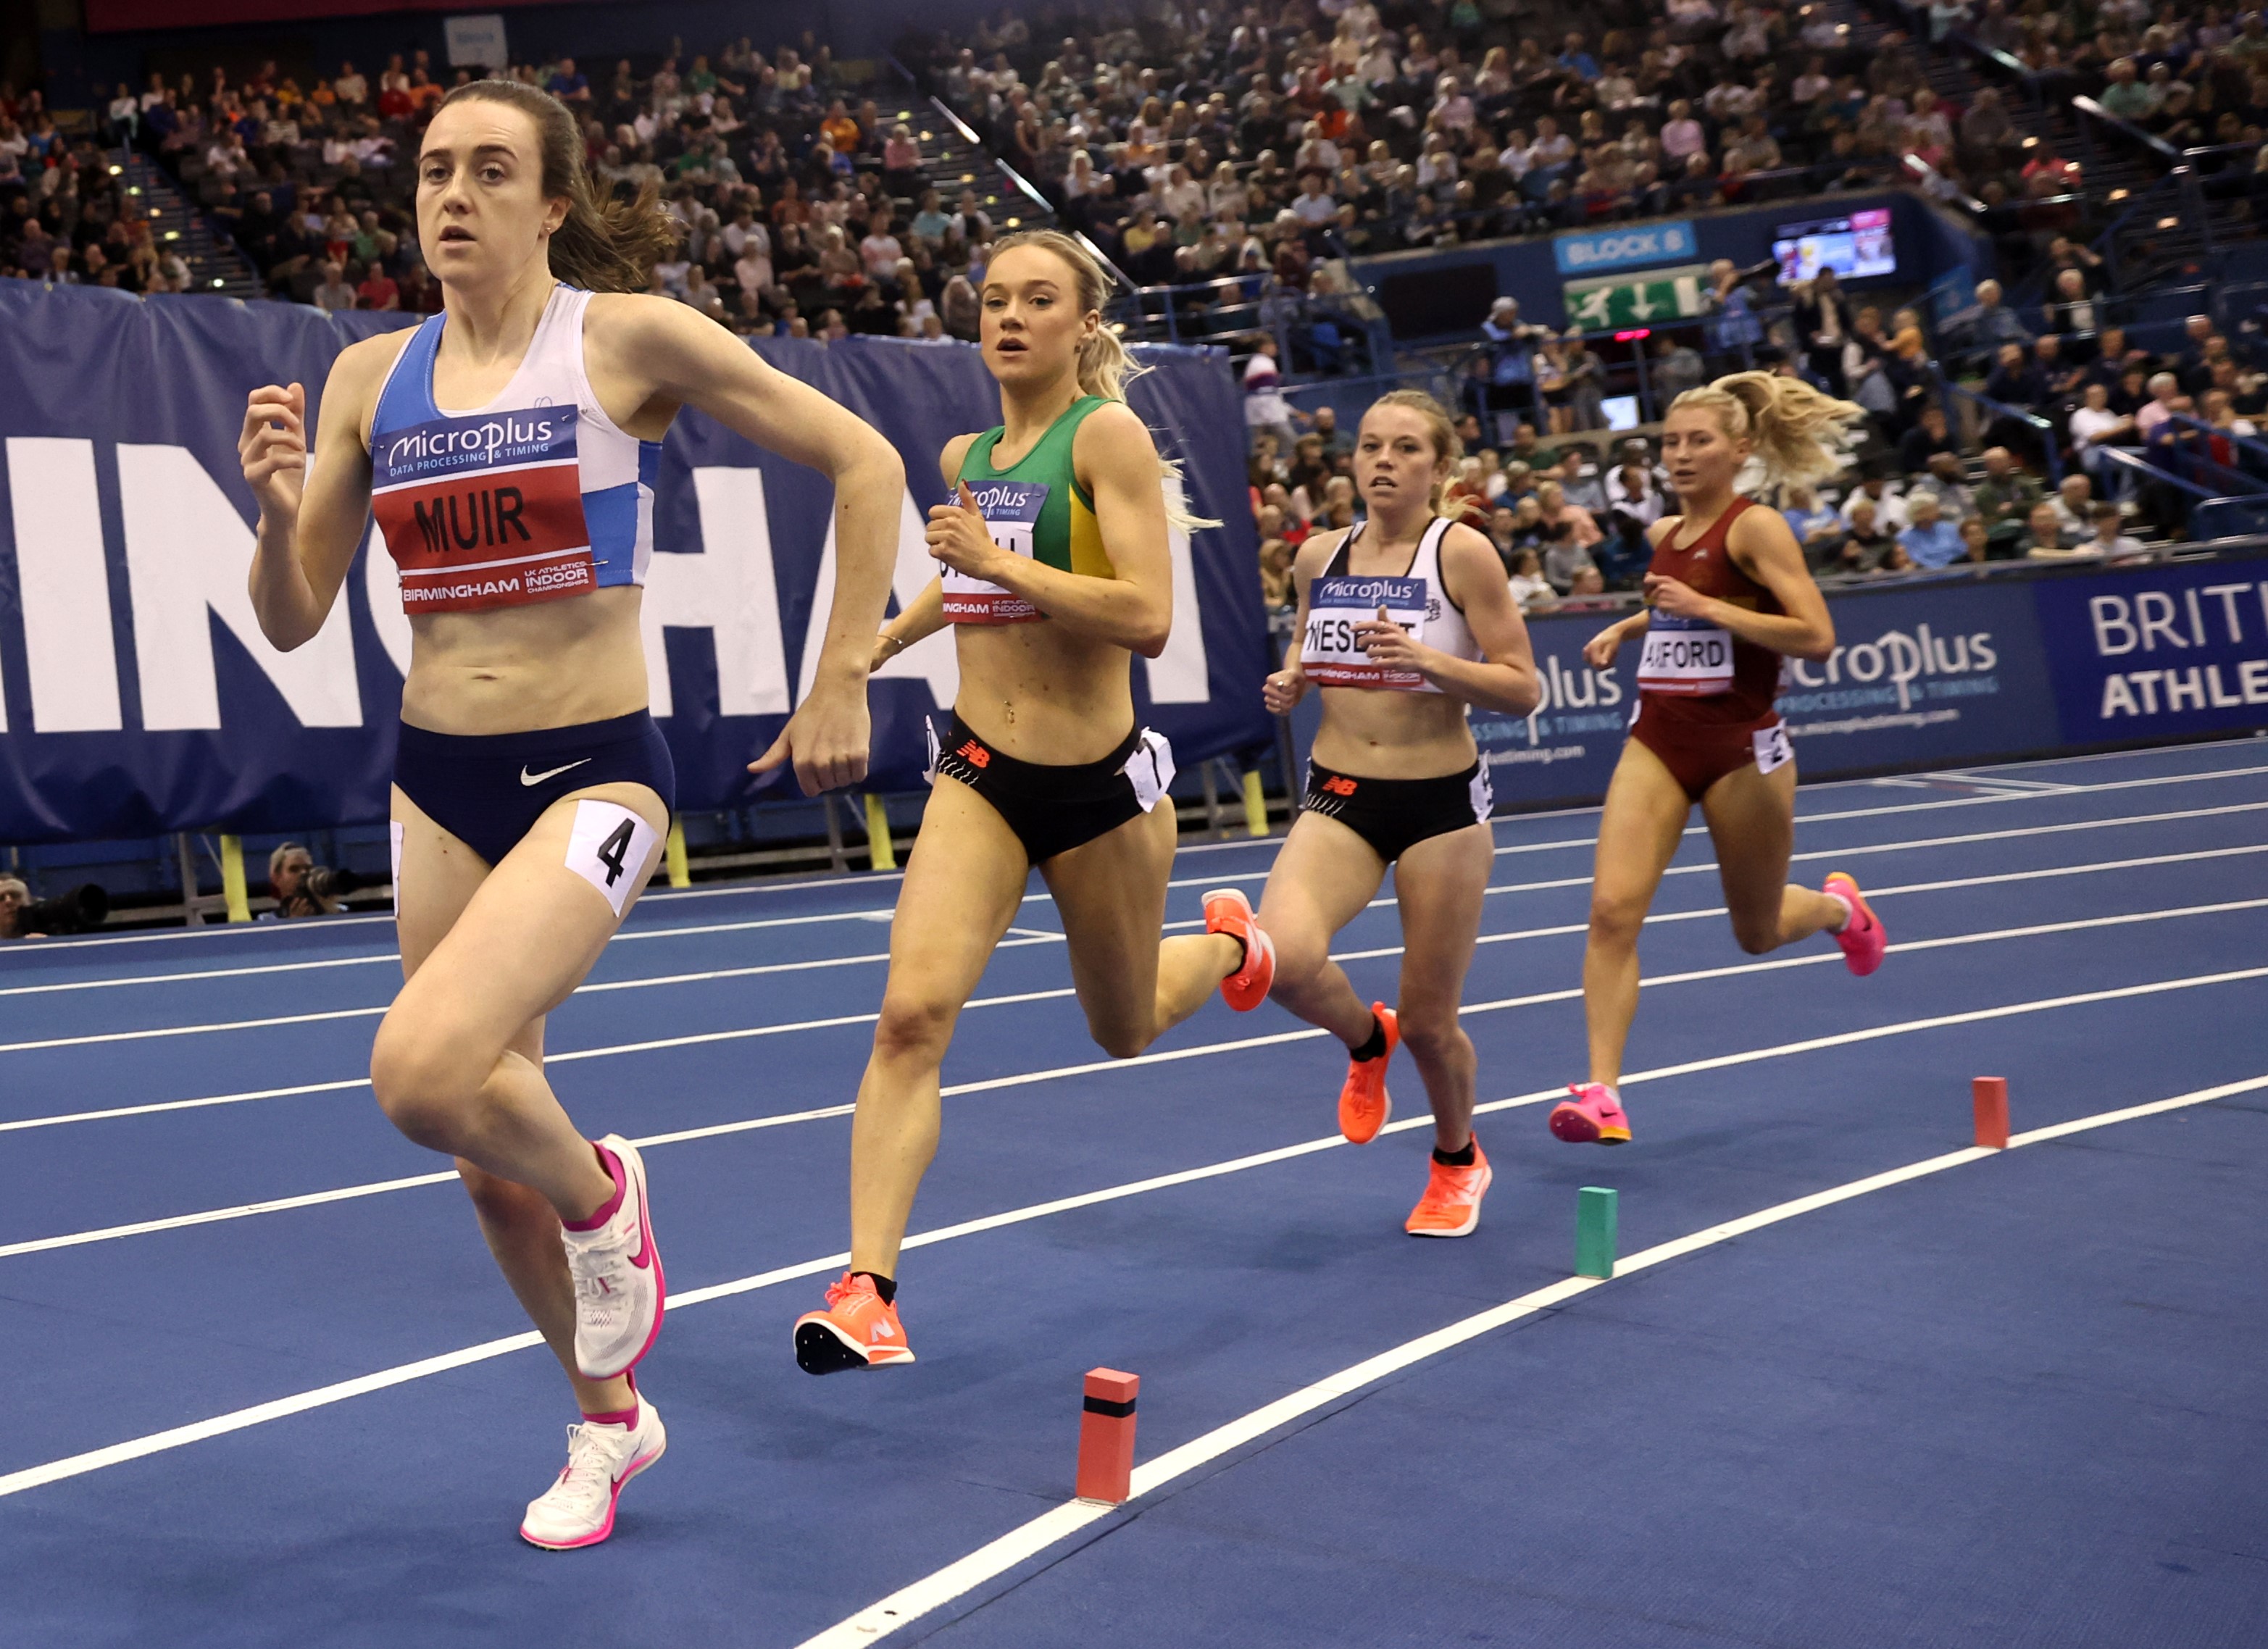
point(1104, 367)
point(604, 244)
point(1800, 434)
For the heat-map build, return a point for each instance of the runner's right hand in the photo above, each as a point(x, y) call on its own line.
point(1283, 689)
point(274, 448)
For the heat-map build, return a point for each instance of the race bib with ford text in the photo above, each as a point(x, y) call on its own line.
point(1330, 651)
point(1011, 511)
point(484, 511)
point(1685, 656)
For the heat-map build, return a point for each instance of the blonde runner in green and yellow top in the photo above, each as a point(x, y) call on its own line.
point(1035, 507)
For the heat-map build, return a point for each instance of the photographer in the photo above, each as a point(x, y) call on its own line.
point(79, 911)
point(15, 899)
point(303, 887)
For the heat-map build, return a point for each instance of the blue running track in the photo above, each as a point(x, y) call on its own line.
point(269, 1390)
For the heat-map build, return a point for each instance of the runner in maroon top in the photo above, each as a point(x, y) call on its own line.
point(1727, 598)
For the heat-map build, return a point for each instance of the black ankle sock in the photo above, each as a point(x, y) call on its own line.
point(1456, 1159)
point(885, 1286)
point(1242, 952)
point(1375, 1045)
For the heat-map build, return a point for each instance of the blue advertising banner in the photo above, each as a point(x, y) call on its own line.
point(138, 697)
point(1623, 248)
point(1922, 675)
point(2158, 652)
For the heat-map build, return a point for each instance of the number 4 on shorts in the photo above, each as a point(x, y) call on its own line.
point(611, 848)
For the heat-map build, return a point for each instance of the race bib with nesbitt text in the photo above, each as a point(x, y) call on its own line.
point(1329, 650)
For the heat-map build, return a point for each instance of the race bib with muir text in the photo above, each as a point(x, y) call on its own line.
point(1329, 651)
point(1687, 657)
point(484, 511)
point(1011, 512)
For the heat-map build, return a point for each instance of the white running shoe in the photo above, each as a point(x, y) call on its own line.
point(578, 1510)
point(618, 1285)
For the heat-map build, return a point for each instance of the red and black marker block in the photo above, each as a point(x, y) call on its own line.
point(1106, 1436)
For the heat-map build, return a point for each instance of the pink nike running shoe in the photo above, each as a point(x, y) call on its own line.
point(1862, 938)
point(1592, 1118)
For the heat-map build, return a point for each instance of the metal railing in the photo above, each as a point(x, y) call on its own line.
point(1991, 412)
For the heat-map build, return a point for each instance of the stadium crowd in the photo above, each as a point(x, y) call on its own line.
point(63, 216)
point(1192, 142)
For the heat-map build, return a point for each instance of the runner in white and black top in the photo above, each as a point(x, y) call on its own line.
point(1404, 621)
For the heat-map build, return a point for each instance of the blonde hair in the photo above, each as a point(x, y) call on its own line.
point(1797, 431)
point(1440, 428)
point(1104, 367)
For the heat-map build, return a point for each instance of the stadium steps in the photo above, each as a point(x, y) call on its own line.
point(215, 263)
point(950, 163)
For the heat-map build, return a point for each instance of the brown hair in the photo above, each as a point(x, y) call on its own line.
point(1439, 429)
point(605, 245)
point(1797, 431)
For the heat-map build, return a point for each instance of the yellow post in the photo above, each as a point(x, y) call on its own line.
point(880, 854)
point(1256, 804)
point(672, 855)
point(231, 879)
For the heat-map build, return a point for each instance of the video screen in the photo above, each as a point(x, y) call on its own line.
point(1854, 247)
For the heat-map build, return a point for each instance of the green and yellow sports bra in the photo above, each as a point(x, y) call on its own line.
point(1036, 508)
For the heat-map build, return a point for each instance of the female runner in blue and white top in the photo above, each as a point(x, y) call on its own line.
point(1404, 621)
point(508, 447)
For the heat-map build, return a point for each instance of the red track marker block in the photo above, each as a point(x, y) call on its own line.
point(1106, 1436)
point(1990, 1095)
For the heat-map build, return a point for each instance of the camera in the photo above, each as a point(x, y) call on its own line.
point(328, 881)
point(79, 910)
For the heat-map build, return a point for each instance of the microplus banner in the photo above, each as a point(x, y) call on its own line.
point(137, 695)
point(1941, 673)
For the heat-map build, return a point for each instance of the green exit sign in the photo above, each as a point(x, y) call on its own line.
point(1648, 299)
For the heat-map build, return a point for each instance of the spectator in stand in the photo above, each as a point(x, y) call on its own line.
point(2108, 535)
point(1265, 409)
point(1943, 481)
point(1987, 325)
point(1887, 508)
point(2166, 399)
point(2093, 426)
point(2004, 500)
point(1816, 527)
point(1929, 540)
point(1928, 437)
point(1868, 546)
point(2043, 538)
point(2017, 379)
point(334, 294)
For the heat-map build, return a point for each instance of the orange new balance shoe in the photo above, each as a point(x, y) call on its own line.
point(1451, 1206)
point(857, 1330)
point(1230, 912)
point(1364, 1102)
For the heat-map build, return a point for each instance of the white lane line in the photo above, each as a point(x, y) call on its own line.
point(31, 953)
point(745, 1033)
point(1026, 938)
point(1029, 935)
point(260, 1413)
point(1035, 1536)
point(202, 973)
point(1028, 1079)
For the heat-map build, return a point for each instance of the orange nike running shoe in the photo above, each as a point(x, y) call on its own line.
point(1364, 1102)
point(1230, 912)
point(1451, 1206)
point(857, 1330)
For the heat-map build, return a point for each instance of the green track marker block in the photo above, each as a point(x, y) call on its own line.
point(1594, 1232)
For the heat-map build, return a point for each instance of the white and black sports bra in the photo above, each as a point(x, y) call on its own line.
point(1418, 600)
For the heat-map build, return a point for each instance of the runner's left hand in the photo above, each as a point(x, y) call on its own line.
point(958, 536)
point(1388, 643)
point(825, 741)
